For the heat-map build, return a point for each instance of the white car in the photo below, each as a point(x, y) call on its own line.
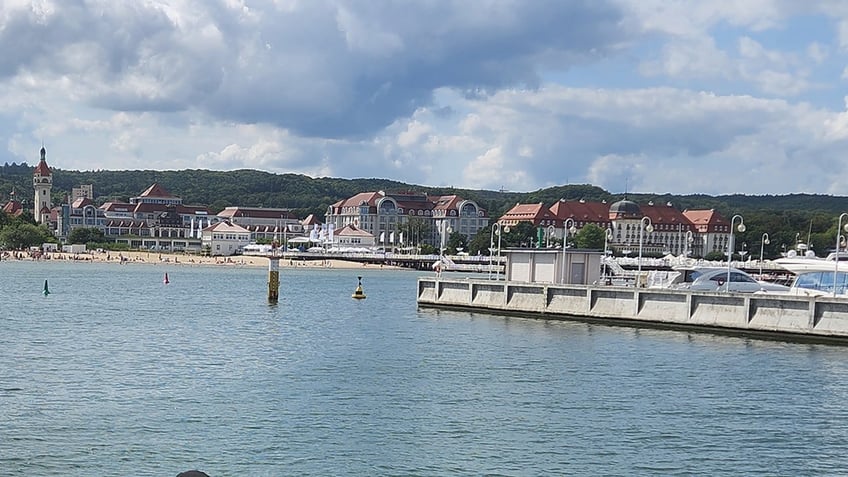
point(715, 279)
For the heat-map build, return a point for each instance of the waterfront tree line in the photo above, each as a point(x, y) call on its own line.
point(787, 219)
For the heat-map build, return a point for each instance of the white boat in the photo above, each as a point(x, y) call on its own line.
point(810, 263)
point(816, 276)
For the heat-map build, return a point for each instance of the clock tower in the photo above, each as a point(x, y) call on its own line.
point(42, 182)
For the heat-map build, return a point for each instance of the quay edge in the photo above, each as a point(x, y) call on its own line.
point(784, 317)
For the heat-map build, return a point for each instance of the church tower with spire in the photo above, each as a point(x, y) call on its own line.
point(42, 182)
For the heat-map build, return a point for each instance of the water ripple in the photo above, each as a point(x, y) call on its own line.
point(115, 373)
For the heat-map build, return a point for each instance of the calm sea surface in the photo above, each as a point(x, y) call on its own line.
point(116, 373)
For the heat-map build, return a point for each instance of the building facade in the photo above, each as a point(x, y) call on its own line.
point(407, 219)
point(224, 239)
point(660, 229)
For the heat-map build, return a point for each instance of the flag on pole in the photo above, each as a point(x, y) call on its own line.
point(400, 238)
point(392, 238)
point(382, 237)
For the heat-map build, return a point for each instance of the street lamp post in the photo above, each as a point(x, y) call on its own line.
point(565, 231)
point(838, 242)
point(496, 230)
point(607, 237)
point(689, 239)
point(741, 228)
point(763, 242)
point(644, 226)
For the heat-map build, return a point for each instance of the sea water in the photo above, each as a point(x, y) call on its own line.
point(117, 373)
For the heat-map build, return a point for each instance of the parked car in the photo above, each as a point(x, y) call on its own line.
point(715, 278)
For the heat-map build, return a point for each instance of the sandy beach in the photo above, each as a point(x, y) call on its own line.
point(184, 259)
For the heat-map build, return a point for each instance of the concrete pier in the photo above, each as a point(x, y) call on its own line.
point(815, 318)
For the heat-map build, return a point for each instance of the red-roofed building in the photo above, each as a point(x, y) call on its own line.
point(672, 231)
point(712, 229)
point(14, 207)
point(537, 214)
point(156, 194)
point(352, 236)
point(224, 239)
point(407, 218)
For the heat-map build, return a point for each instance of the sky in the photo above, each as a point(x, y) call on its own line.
point(650, 96)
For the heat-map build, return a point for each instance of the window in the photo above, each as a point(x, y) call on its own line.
point(740, 277)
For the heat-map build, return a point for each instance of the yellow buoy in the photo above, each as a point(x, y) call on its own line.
point(358, 294)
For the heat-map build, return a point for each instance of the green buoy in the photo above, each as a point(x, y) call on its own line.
point(46, 289)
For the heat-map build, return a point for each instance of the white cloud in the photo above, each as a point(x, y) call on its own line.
point(664, 95)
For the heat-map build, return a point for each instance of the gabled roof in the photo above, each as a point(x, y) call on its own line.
point(311, 220)
point(13, 207)
point(704, 217)
point(226, 227)
point(581, 211)
point(156, 191)
point(352, 231)
point(81, 202)
point(534, 213)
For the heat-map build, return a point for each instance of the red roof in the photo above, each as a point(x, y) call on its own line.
point(256, 212)
point(156, 191)
point(581, 211)
point(534, 213)
point(42, 169)
point(117, 207)
point(351, 231)
point(666, 215)
point(81, 202)
point(705, 220)
point(311, 220)
point(446, 202)
point(13, 207)
point(368, 198)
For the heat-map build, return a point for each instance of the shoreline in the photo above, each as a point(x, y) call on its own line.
point(156, 258)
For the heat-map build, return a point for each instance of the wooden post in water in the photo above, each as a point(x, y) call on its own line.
point(273, 279)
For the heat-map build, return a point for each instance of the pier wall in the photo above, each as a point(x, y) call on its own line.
point(802, 316)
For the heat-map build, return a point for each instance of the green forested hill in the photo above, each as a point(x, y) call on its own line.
point(218, 189)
